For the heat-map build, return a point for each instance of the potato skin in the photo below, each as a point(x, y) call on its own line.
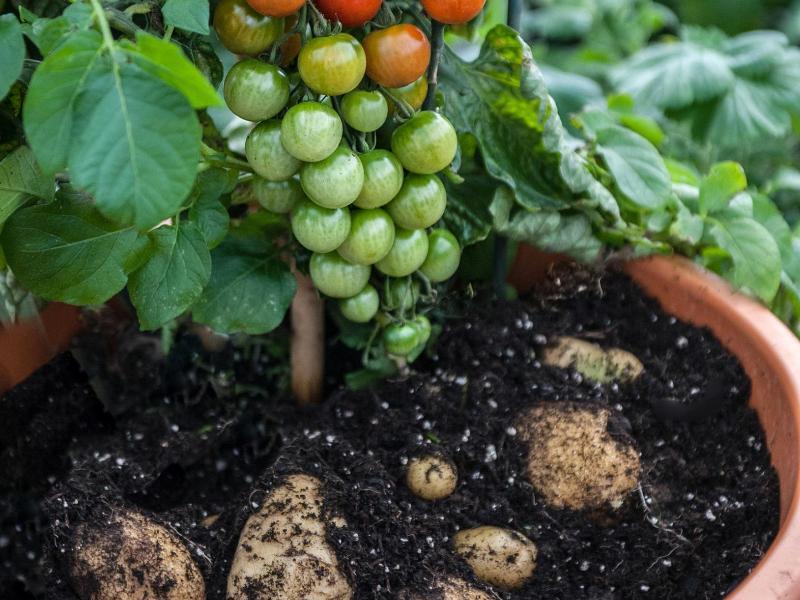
point(573, 462)
point(500, 557)
point(431, 477)
point(132, 557)
point(282, 551)
point(592, 361)
point(451, 588)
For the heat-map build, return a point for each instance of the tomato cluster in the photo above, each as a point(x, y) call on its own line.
point(342, 147)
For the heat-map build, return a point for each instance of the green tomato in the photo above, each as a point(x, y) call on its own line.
point(420, 203)
point(401, 339)
point(336, 181)
point(332, 65)
point(255, 90)
point(407, 254)
point(371, 237)
point(444, 256)
point(426, 143)
point(400, 294)
point(278, 196)
point(320, 229)
point(362, 307)
point(423, 325)
point(335, 277)
point(311, 131)
point(383, 178)
point(365, 111)
point(266, 153)
point(242, 30)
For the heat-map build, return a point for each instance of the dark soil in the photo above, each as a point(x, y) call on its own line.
point(194, 436)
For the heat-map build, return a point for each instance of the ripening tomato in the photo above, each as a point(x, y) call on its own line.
point(242, 30)
point(413, 94)
point(276, 8)
point(350, 13)
point(332, 65)
point(453, 12)
point(397, 55)
point(311, 131)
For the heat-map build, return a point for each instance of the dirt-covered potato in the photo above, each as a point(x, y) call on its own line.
point(283, 552)
point(500, 557)
point(431, 477)
point(573, 461)
point(130, 556)
point(452, 588)
point(592, 361)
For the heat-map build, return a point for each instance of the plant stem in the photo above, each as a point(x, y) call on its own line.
point(514, 18)
point(437, 43)
point(102, 22)
point(168, 33)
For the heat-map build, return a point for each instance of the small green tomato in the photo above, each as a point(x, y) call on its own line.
point(266, 154)
point(444, 256)
point(278, 196)
point(383, 178)
point(336, 181)
point(371, 237)
point(365, 111)
point(335, 277)
point(362, 307)
point(407, 254)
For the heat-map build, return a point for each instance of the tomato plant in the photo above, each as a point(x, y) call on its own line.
point(420, 202)
point(365, 111)
point(276, 8)
point(383, 178)
point(400, 339)
point(407, 253)
point(444, 256)
point(350, 13)
point(332, 65)
point(453, 12)
point(242, 30)
point(279, 197)
point(397, 56)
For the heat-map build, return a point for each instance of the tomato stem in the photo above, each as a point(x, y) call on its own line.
point(437, 43)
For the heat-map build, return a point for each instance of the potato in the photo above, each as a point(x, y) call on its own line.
point(132, 557)
point(431, 477)
point(592, 361)
point(497, 556)
point(572, 460)
point(452, 588)
point(283, 552)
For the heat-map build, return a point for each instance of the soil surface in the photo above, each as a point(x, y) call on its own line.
point(195, 440)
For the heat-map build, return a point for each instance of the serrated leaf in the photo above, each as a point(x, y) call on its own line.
point(167, 61)
point(48, 113)
point(189, 15)
point(755, 254)
point(12, 52)
point(136, 147)
point(637, 167)
point(249, 291)
point(722, 183)
point(20, 180)
point(69, 252)
point(174, 276)
point(49, 34)
point(211, 218)
point(755, 53)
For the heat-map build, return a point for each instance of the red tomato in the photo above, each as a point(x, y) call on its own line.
point(397, 55)
point(453, 12)
point(276, 8)
point(350, 13)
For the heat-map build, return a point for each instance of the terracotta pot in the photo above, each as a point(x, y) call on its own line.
point(770, 353)
point(26, 346)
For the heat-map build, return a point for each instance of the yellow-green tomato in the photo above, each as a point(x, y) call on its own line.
point(242, 30)
point(401, 339)
point(407, 254)
point(371, 237)
point(400, 294)
point(255, 90)
point(278, 196)
point(426, 143)
point(413, 94)
point(362, 307)
point(336, 181)
point(420, 203)
point(365, 110)
point(383, 178)
point(266, 154)
point(335, 277)
point(320, 229)
point(311, 131)
point(332, 65)
point(444, 256)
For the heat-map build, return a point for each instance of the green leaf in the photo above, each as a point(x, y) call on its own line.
point(723, 182)
point(755, 53)
point(49, 34)
point(467, 215)
point(167, 61)
point(189, 15)
point(174, 276)
point(136, 146)
point(12, 52)
point(20, 180)
point(48, 113)
point(211, 219)
point(70, 253)
point(687, 228)
point(249, 291)
point(637, 167)
point(682, 173)
point(755, 254)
